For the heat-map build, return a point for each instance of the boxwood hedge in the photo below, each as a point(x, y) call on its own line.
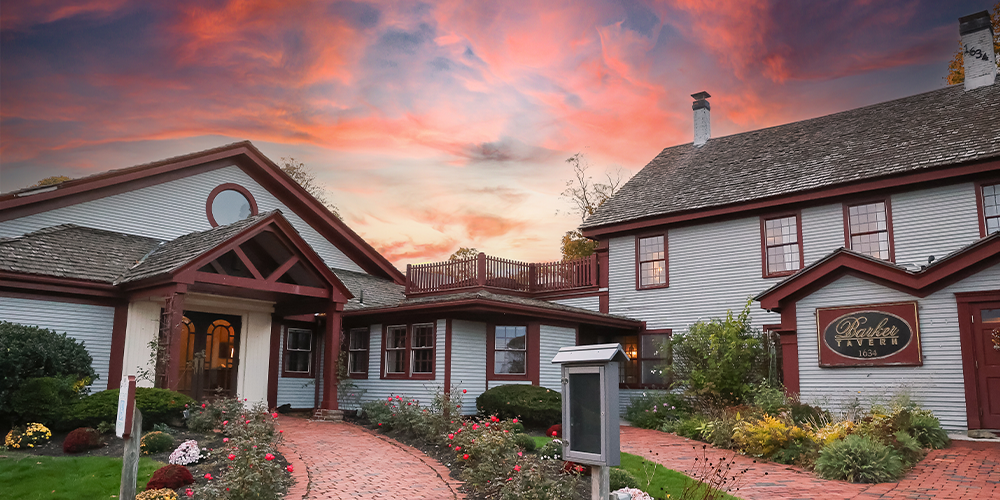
point(536, 406)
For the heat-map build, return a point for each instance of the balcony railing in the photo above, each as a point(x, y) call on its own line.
point(484, 271)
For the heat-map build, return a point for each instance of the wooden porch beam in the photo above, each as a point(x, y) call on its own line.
point(246, 262)
point(282, 269)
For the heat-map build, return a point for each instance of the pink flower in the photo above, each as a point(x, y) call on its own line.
point(248, 421)
point(208, 476)
point(244, 399)
point(510, 479)
point(188, 492)
point(465, 456)
point(289, 468)
point(475, 426)
point(225, 422)
point(232, 457)
point(517, 468)
point(458, 448)
point(203, 405)
point(225, 440)
point(275, 414)
point(515, 420)
point(520, 453)
point(269, 457)
point(451, 436)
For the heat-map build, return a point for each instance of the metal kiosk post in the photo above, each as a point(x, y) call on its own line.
point(590, 409)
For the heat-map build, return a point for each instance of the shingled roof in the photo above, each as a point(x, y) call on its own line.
point(71, 251)
point(376, 292)
point(920, 132)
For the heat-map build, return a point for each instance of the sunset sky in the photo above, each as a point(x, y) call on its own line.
point(441, 124)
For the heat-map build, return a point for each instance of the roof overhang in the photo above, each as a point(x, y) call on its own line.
point(242, 154)
point(960, 264)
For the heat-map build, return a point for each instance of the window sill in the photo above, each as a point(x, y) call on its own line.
point(285, 374)
point(359, 376)
point(781, 274)
point(404, 376)
point(653, 287)
point(510, 377)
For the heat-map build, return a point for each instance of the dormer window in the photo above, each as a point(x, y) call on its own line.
point(229, 203)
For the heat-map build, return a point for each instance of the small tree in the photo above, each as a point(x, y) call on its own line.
point(717, 362)
point(300, 173)
point(586, 196)
point(464, 253)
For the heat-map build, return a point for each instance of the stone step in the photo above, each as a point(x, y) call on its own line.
point(328, 415)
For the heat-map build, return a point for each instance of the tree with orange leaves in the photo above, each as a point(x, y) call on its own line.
point(956, 68)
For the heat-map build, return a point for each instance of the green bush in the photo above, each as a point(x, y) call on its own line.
point(552, 450)
point(804, 414)
point(45, 399)
point(691, 426)
point(908, 447)
point(652, 410)
point(156, 442)
point(621, 478)
point(157, 406)
point(525, 442)
point(926, 428)
point(537, 480)
point(770, 399)
point(536, 406)
point(206, 417)
point(718, 362)
point(859, 459)
point(31, 352)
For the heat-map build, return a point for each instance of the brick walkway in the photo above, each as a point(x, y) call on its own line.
point(965, 470)
point(335, 460)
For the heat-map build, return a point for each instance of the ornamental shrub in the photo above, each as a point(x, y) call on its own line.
point(717, 363)
point(652, 410)
point(208, 416)
point(31, 352)
point(185, 454)
point(555, 431)
point(767, 436)
point(82, 439)
point(32, 435)
point(161, 494)
point(926, 428)
point(171, 477)
point(859, 459)
point(621, 478)
point(45, 399)
point(157, 406)
point(534, 479)
point(908, 447)
point(156, 442)
point(536, 406)
point(552, 450)
point(524, 441)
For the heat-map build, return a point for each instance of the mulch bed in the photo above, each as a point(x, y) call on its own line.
point(214, 463)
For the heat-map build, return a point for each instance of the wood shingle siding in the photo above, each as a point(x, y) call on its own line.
point(169, 210)
point(89, 324)
point(937, 385)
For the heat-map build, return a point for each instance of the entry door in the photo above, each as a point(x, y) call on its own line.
point(211, 355)
point(986, 340)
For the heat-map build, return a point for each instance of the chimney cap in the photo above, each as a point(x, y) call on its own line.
point(974, 22)
point(701, 95)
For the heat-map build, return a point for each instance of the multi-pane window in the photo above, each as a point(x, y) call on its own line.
point(652, 256)
point(395, 350)
point(647, 359)
point(422, 349)
point(357, 351)
point(510, 350)
point(781, 245)
point(869, 229)
point(298, 350)
point(991, 208)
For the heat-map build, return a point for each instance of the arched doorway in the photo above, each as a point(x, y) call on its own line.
point(210, 348)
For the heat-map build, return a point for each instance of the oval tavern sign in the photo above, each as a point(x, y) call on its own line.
point(873, 335)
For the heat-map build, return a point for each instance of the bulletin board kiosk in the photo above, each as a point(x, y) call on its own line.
point(590, 409)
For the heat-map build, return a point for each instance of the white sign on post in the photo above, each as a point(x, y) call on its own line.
point(126, 407)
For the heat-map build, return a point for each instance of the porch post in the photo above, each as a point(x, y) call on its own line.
point(790, 360)
point(175, 326)
point(331, 351)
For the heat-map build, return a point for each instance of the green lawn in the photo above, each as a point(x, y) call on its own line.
point(29, 477)
point(654, 479)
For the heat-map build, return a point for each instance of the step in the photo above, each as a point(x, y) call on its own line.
point(328, 415)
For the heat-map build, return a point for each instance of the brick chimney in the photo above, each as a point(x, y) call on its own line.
point(702, 120)
point(977, 50)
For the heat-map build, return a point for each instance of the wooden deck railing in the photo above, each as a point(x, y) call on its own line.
point(493, 272)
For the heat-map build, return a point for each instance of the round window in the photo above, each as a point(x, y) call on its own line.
point(228, 204)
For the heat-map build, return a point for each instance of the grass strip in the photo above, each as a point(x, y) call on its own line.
point(33, 477)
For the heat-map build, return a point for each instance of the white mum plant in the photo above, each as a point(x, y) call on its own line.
point(187, 453)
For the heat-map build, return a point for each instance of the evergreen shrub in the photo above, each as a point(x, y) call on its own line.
point(536, 406)
point(156, 442)
point(82, 439)
point(524, 441)
point(45, 399)
point(170, 476)
point(157, 406)
point(859, 459)
point(621, 478)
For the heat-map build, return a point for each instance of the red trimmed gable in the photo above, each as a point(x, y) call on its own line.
point(245, 156)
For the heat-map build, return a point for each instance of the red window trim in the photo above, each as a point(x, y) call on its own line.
point(364, 374)
point(406, 375)
point(284, 352)
point(888, 222)
point(638, 347)
point(980, 209)
point(225, 187)
point(666, 261)
point(531, 353)
point(763, 242)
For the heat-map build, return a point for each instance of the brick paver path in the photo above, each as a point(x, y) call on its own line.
point(335, 460)
point(965, 470)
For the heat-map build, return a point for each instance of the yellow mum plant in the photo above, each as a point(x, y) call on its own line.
point(161, 494)
point(34, 434)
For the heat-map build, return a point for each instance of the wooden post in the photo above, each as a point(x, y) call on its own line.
point(130, 459)
point(600, 482)
point(175, 327)
point(331, 351)
point(481, 269)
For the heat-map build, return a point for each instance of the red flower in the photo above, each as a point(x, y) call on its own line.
point(517, 468)
point(269, 457)
point(520, 453)
point(464, 391)
point(224, 422)
point(515, 420)
point(275, 414)
point(475, 426)
point(188, 492)
point(232, 457)
point(203, 405)
point(465, 456)
point(225, 440)
point(281, 432)
point(451, 436)
point(289, 468)
point(458, 448)
point(208, 476)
